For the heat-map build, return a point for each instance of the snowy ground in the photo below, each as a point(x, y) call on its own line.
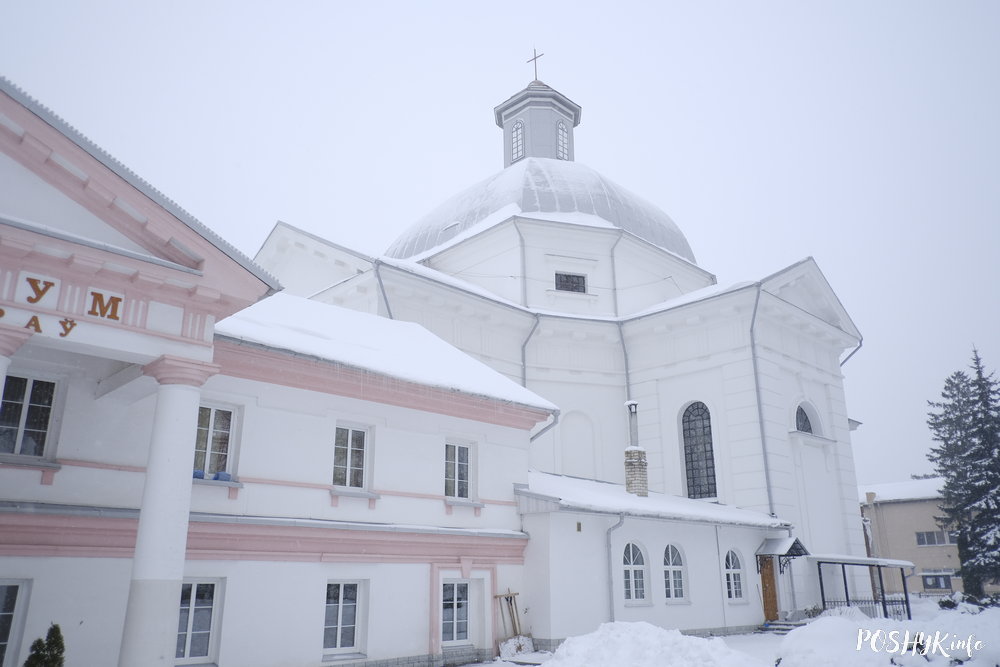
point(833, 640)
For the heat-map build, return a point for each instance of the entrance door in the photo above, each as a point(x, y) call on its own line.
point(768, 587)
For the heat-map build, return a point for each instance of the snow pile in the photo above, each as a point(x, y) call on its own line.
point(851, 638)
point(644, 645)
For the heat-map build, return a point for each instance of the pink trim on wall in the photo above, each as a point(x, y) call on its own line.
point(76, 463)
point(47, 473)
point(168, 369)
point(254, 363)
point(105, 537)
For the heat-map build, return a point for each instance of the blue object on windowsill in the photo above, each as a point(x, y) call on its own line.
point(223, 476)
point(199, 474)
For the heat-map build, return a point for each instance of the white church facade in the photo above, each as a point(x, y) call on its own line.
point(195, 470)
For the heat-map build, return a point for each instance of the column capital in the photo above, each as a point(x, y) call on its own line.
point(12, 338)
point(176, 370)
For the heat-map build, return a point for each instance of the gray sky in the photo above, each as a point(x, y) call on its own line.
point(865, 134)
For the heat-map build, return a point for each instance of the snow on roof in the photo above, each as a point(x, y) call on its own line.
point(911, 489)
point(848, 559)
point(593, 495)
point(401, 350)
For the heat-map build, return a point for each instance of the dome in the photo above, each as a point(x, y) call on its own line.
point(543, 189)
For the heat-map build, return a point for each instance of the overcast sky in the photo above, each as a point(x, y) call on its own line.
point(865, 134)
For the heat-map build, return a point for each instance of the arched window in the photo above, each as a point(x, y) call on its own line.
point(802, 422)
point(699, 460)
point(635, 566)
point(734, 576)
point(562, 147)
point(517, 141)
point(673, 573)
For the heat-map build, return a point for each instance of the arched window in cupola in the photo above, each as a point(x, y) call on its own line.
point(562, 146)
point(517, 141)
point(802, 423)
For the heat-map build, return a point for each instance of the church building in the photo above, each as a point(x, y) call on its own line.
point(317, 457)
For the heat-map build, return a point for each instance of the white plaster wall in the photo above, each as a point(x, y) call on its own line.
point(490, 260)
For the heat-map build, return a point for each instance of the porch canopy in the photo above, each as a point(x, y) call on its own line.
point(845, 560)
point(785, 548)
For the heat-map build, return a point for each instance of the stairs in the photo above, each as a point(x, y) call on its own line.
point(781, 627)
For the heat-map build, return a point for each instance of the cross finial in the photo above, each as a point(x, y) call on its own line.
point(535, 61)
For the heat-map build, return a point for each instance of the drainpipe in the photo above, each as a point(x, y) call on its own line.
point(614, 271)
point(760, 403)
point(721, 579)
point(381, 287)
point(611, 569)
point(555, 420)
point(628, 377)
point(524, 353)
point(524, 270)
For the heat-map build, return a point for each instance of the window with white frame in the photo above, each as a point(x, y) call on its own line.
point(734, 576)
point(455, 611)
point(936, 537)
point(13, 602)
point(349, 457)
point(25, 415)
point(699, 459)
point(197, 622)
point(517, 141)
point(214, 440)
point(340, 629)
point(635, 568)
point(456, 470)
point(673, 573)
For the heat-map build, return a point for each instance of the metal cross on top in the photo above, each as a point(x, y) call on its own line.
point(535, 61)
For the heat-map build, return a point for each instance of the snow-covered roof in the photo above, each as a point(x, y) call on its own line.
point(396, 349)
point(848, 559)
point(911, 489)
point(545, 189)
point(595, 496)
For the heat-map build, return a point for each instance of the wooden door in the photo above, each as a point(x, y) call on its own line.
point(769, 587)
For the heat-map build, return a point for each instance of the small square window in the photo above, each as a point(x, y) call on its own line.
point(571, 282)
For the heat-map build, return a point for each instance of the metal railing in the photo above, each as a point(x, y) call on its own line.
point(893, 608)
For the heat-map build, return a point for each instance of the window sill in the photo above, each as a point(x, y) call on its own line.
point(738, 601)
point(217, 482)
point(451, 503)
point(677, 601)
point(638, 603)
point(343, 657)
point(336, 492)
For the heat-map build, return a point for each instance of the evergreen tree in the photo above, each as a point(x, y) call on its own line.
point(47, 652)
point(967, 426)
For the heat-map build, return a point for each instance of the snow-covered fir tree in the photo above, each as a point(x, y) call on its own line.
point(966, 423)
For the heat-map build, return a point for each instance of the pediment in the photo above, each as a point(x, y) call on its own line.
point(804, 286)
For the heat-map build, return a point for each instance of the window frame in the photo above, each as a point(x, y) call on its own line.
point(54, 420)
point(562, 141)
point(803, 424)
point(215, 625)
point(365, 462)
point(360, 620)
point(235, 433)
point(734, 577)
point(631, 567)
point(698, 446)
point(469, 469)
point(670, 573)
point(941, 538)
point(937, 576)
point(517, 141)
point(18, 615)
point(468, 638)
point(566, 275)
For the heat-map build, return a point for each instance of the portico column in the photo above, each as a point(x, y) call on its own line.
point(11, 339)
point(150, 634)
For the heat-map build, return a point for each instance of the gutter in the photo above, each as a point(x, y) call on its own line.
point(760, 403)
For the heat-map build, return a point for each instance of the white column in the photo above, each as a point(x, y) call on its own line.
point(150, 634)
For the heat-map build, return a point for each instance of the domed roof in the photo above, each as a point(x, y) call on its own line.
point(543, 189)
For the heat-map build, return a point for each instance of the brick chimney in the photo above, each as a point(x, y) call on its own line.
point(636, 477)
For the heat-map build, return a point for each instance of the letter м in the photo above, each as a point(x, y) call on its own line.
point(106, 309)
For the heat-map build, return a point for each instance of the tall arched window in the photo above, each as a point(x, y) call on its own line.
point(802, 422)
point(517, 141)
point(562, 146)
point(673, 573)
point(635, 566)
point(699, 460)
point(734, 576)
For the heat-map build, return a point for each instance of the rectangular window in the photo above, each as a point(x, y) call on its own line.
point(734, 585)
point(455, 612)
point(9, 622)
point(456, 471)
point(349, 457)
point(197, 620)
point(931, 538)
point(24, 415)
point(212, 446)
point(571, 282)
point(340, 631)
point(937, 582)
